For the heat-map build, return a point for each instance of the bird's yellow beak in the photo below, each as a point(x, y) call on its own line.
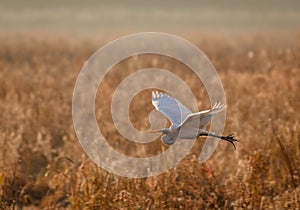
point(154, 131)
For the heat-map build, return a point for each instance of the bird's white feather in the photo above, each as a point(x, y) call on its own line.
point(203, 118)
point(170, 107)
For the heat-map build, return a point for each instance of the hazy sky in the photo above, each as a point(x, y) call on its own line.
point(136, 15)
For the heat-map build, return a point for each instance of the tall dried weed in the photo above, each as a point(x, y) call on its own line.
point(43, 165)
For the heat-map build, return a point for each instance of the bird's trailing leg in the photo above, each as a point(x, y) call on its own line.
point(230, 138)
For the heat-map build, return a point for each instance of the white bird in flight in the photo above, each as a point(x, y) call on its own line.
point(185, 124)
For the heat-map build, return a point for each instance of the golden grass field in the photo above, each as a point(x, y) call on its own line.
point(43, 166)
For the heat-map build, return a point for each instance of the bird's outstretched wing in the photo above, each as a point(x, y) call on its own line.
point(170, 107)
point(203, 118)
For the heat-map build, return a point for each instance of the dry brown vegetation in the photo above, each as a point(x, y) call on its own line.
point(43, 166)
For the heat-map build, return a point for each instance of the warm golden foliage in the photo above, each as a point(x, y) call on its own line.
point(42, 163)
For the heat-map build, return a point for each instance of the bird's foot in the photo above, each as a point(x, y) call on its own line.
point(230, 138)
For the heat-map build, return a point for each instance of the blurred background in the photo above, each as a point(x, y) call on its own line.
point(93, 18)
point(255, 47)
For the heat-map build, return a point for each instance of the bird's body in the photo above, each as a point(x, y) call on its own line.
point(185, 124)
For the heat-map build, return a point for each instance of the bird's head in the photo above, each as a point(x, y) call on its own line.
point(168, 139)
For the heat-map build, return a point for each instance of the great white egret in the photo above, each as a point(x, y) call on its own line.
point(185, 124)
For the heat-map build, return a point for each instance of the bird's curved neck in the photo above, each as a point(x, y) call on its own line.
point(166, 130)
